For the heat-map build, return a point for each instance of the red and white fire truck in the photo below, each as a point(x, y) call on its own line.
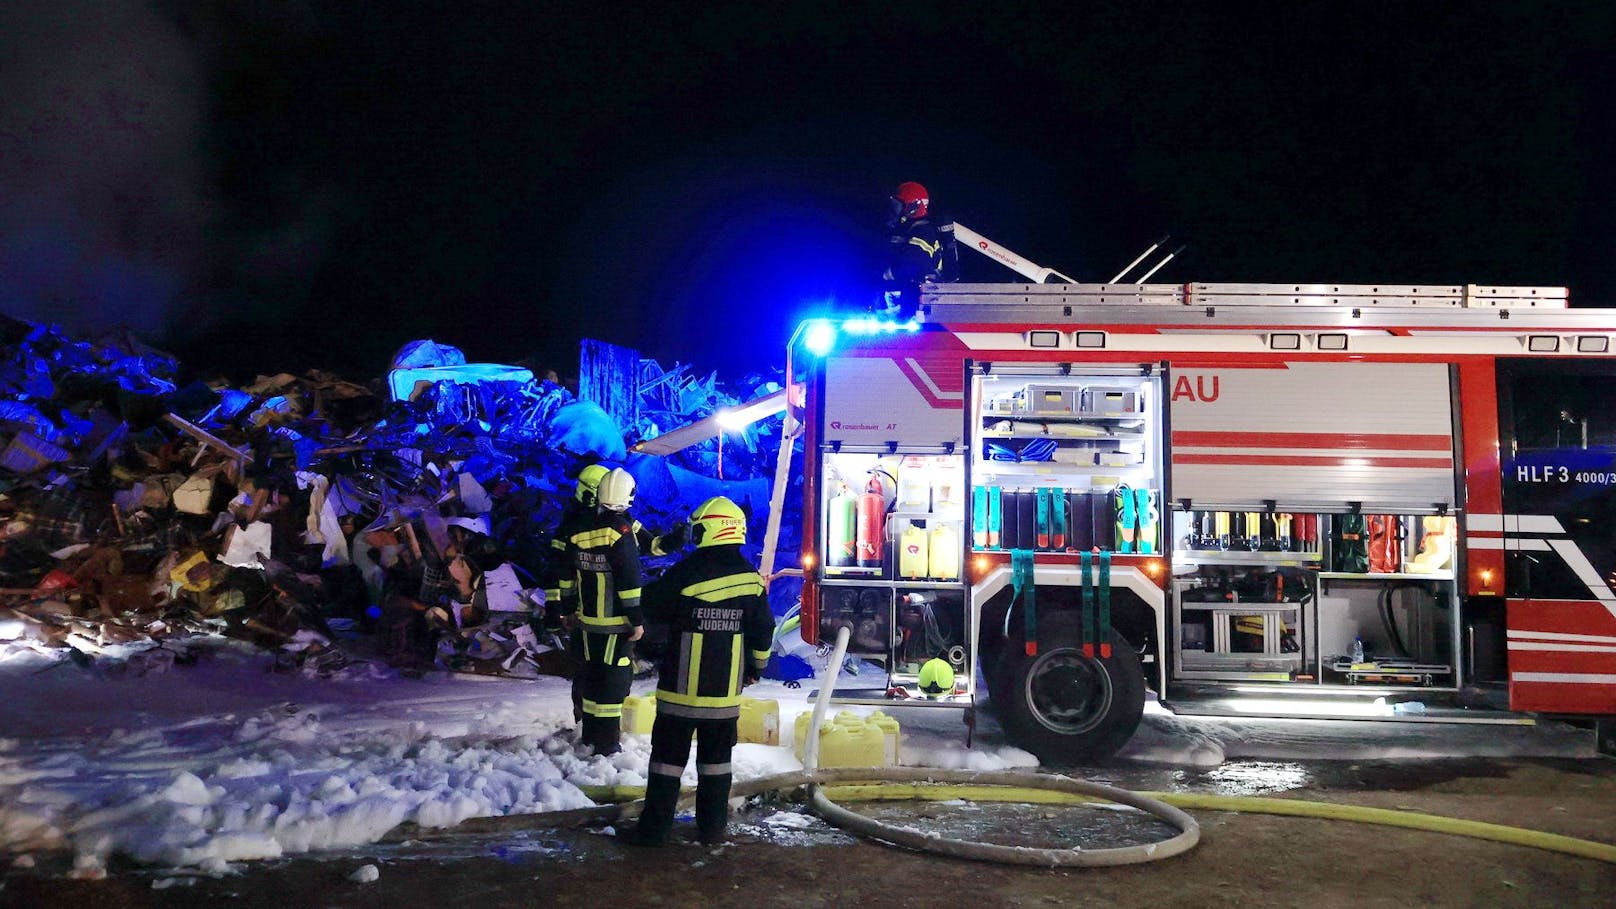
point(1305, 500)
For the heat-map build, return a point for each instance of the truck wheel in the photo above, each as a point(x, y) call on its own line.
point(1062, 706)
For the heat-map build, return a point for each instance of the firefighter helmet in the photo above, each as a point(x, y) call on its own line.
point(717, 522)
point(911, 201)
point(588, 481)
point(936, 678)
point(616, 490)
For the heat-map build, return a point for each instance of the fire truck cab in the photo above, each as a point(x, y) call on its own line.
point(1298, 500)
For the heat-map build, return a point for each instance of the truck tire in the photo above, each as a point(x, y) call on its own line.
point(1062, 706)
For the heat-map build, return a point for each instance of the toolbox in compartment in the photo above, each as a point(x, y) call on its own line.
point(1108, 400)
point(1050, 400)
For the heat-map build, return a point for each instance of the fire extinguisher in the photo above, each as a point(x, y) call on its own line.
point(872, 513)
point(842, 530)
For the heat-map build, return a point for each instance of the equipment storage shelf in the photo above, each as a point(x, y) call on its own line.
point(1215, 557)
point(892, 517)
point(1375, 591)
point(1065, 458)
point(1245, 623)
point(1385, 576)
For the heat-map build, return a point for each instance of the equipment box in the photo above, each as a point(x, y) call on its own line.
point(1103, 400)
point(1048, 400)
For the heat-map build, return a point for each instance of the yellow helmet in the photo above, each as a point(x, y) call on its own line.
point(937, 678)
point(616, 490)
point(717, 522)
point(588, 481)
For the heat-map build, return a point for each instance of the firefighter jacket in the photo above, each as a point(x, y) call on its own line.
point(574, 519)
point(918, 252)
point(721, 632)
point(601, 576)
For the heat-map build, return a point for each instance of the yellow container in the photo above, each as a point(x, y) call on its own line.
point(852, 746)
point(639, 712)
point(913, 553)
point(850, 740)
point(760, 721)
point(889, 732)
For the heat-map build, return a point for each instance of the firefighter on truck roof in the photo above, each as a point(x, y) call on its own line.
point(918, 251)
point(721, 634)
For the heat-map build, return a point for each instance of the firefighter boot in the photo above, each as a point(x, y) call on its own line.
point(712, 805)
point(601, 733)
point(656, 820)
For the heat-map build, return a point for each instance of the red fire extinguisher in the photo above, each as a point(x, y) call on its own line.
point(872, 513)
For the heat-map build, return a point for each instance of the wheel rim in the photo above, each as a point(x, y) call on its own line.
point(1067, 692)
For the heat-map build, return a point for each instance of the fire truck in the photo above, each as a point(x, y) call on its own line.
point(1373, 501)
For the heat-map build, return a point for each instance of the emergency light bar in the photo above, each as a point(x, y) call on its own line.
point(821, 335)
point(858, 327)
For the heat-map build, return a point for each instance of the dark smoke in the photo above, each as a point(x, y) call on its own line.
point(103, 199)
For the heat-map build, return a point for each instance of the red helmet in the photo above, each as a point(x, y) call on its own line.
point(912, 200)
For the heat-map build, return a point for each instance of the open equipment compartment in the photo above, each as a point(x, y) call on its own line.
point(1065, 459)
point(1314, 529)
point(893, 526)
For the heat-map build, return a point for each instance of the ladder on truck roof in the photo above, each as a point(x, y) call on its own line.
point(1032, 301)
point(1051, 302)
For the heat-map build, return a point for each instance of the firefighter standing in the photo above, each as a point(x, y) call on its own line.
point(582, 509)
point(578, 515)
point(918, 251)
point(722, 632)
point(603, 592)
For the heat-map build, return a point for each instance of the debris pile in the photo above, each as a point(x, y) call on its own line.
point(405, 521)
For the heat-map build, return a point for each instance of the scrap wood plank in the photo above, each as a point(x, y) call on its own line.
point(206, 438)
point(609, 376)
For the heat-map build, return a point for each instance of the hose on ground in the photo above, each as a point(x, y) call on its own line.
point(1189, 832)
point(856, 784)
point(1498, 833)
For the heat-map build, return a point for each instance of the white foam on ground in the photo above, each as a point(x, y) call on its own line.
point(225, 761)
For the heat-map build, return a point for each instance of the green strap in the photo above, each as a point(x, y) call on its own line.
point(1026, 587)
point(1105, 604)
point(1086, 559)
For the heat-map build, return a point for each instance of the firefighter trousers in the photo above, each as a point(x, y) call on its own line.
point(670, 749)
point(605, 672)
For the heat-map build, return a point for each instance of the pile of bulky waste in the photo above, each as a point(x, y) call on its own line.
point(402, 524)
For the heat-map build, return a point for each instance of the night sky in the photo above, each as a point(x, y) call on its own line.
point(268, 186)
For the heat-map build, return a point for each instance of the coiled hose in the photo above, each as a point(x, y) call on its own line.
point(1189, 831)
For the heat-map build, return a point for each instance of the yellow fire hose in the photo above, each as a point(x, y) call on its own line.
point(1481, 830)
point(856, 784)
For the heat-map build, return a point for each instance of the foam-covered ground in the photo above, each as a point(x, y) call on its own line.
point(226, 761)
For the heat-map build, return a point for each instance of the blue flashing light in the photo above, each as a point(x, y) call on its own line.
point(866, 327)
point(820, 339)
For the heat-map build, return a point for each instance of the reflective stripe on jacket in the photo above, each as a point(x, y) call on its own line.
point(714, 601)
point(606, 578)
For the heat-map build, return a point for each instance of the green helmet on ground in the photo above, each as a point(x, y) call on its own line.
point(936, 678)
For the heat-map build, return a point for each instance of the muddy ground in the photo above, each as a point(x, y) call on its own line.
point(780, 856)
